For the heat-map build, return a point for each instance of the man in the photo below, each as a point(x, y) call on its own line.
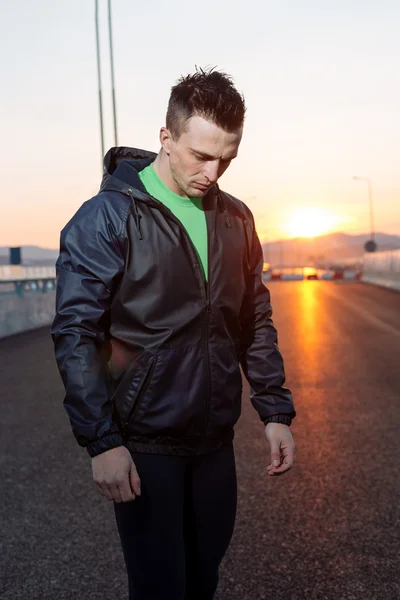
point(159, 301)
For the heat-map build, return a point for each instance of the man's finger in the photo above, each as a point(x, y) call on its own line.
point(115, 493)
point(99, 488)
point(285, 466)
point(135, 480)
point(125, 490)
point(104, 491)
point(275, 456)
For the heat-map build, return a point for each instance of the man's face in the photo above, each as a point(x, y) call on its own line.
point(200, 156)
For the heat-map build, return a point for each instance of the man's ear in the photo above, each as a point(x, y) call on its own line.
point(165, 139)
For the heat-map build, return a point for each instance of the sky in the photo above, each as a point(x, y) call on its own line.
point(320, 79)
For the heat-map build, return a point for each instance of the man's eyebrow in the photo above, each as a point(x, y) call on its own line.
point(208, 156)
point(203, 154)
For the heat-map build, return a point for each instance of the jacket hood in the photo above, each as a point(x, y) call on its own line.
point(120, 169)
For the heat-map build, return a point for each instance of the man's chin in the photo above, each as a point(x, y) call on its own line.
point(196, 192)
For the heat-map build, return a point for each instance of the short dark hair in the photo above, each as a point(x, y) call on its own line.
point(209, 94)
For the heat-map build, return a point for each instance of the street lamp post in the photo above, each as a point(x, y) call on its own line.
point(371, 214)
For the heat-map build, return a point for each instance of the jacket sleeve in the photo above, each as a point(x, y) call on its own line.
point(261, 359)
point(88, 269)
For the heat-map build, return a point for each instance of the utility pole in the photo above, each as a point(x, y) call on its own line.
point(99, 80)
point(112, 72)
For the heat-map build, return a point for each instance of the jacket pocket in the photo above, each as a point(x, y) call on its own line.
point(137, 393)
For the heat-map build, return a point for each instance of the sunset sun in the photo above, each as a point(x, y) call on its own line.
point(310, 222)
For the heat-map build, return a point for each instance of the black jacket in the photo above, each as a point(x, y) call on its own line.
point(148, 352)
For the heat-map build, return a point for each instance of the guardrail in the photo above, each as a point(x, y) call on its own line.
point(382, 269)
point(27, 298)
point(19, 280)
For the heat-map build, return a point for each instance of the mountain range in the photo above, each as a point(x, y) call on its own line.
point(325, 250)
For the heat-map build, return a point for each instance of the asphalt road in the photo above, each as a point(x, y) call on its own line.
point(328, 529)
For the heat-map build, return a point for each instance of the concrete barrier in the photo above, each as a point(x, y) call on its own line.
point(21, 313)
point(292, 277)
point(317, 274)
point(20, 272)
point(382, 269)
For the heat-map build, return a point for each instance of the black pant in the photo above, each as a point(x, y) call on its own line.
point(176, 533)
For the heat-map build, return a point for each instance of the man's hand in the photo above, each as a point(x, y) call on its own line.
point(115, 475)
point(282, 447)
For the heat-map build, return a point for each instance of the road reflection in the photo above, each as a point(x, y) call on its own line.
point(313, 339)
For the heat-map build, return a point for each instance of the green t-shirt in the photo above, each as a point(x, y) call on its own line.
point(188, 210)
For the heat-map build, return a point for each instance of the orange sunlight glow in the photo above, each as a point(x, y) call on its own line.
point(310, 222)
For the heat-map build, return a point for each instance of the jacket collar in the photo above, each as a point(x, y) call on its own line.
point(121, 167)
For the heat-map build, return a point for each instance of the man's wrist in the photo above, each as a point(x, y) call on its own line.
point(108, 442)
point(281, 418)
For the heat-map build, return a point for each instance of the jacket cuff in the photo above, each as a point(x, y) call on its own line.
point(284, 419)
point(105, 443)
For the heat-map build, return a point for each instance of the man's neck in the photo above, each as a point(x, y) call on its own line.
point(162, 168)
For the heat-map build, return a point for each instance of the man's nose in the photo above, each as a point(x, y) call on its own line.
point(211, 171)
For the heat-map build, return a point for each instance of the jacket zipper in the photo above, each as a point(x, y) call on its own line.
point(141, 391)
point(204, 288)
point(206, 328)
